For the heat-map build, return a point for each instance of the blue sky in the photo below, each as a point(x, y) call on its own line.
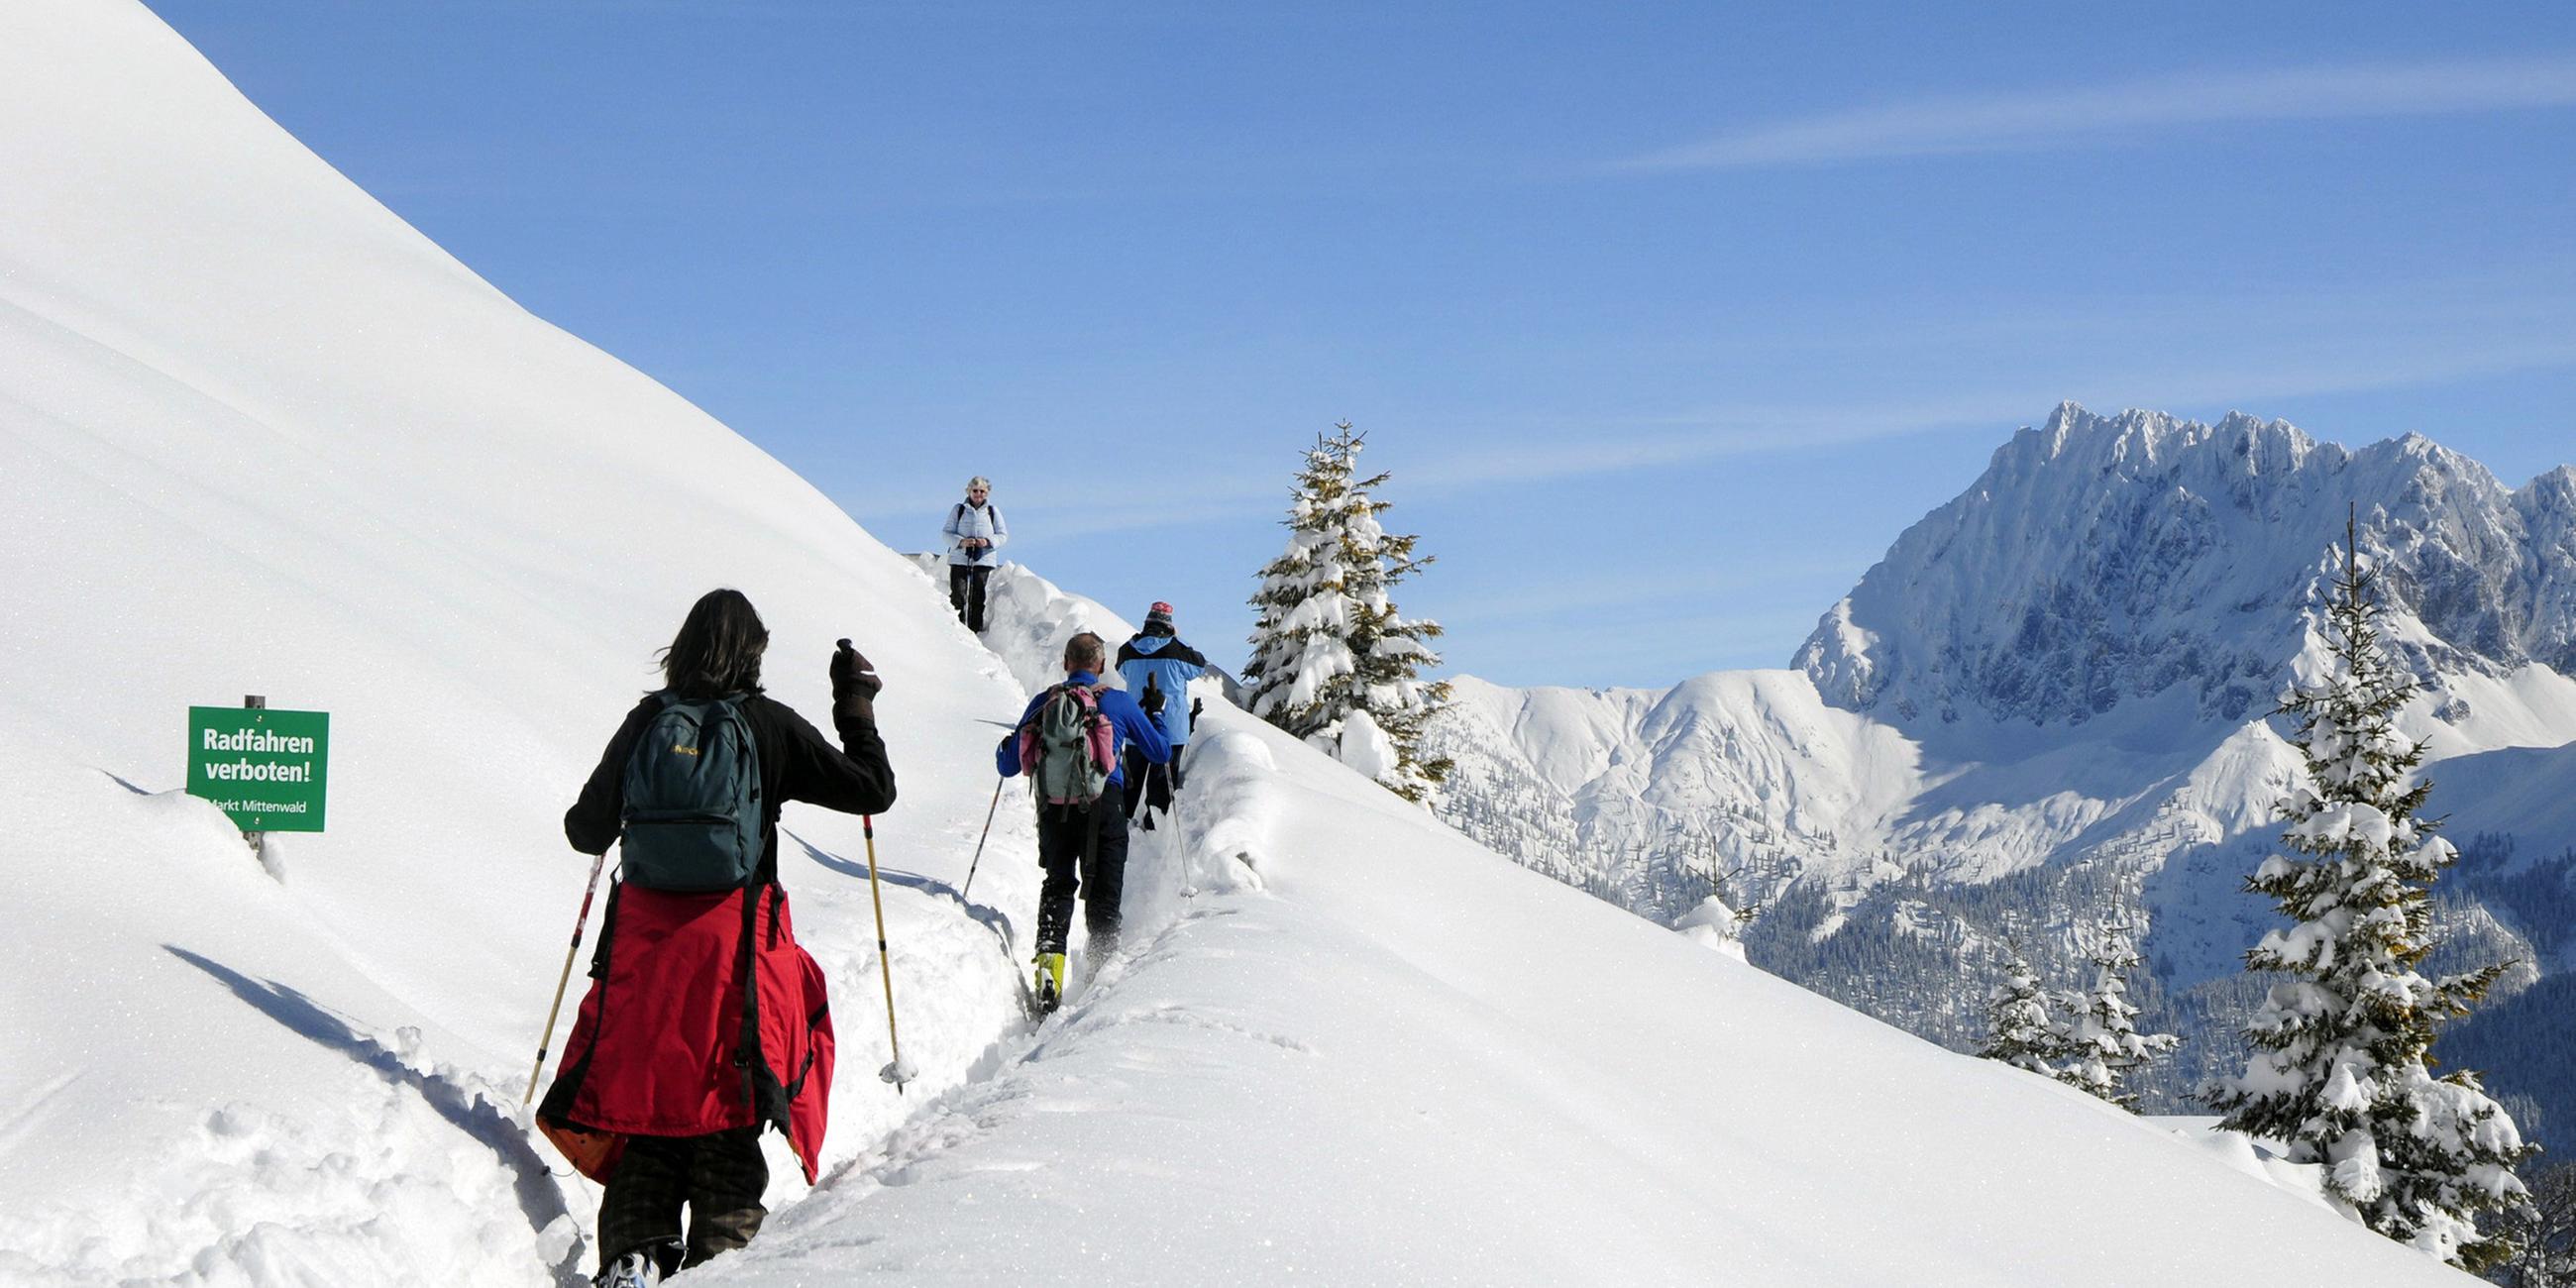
point(1667, 318)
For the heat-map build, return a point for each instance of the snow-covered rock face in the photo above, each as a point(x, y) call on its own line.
point(2047, 708)
point(2107, 558)
point(1630, 791)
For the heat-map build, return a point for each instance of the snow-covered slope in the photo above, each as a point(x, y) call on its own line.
point(258, 436)
point(1355, 1048)
point(2044, 710)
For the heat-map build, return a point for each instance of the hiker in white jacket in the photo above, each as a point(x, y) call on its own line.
point(975, 536)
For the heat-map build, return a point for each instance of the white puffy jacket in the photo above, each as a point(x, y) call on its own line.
point(966, 520)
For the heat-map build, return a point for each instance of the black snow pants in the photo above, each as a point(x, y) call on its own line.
point(966, 593)
point(719, 1176)
point(1161, 782)
point(1062, 835)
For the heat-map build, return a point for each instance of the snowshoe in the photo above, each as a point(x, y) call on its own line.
point(1049, 990)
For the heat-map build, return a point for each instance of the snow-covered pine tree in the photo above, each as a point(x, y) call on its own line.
point(2340, 1072)
point(2019, 1029)
point(2104, 1044)
point(1333, 662)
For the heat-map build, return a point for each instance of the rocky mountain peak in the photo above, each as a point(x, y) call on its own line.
point(2101, 559)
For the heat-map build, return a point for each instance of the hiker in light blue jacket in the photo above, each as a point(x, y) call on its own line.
point(1156, 658)
point(975, 535)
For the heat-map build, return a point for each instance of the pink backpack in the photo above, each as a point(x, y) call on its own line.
point(1068, 747)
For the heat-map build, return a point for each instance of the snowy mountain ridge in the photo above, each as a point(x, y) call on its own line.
point(2107, 559)
point(2043, 712)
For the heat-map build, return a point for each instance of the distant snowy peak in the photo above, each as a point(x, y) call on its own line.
point(1643, 795)
point(2105, 558)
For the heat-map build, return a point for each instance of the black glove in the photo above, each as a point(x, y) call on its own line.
point(1153, 700)
point(1197, 705)
point(853, 676)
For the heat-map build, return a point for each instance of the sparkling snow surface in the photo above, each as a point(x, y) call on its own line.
point(256, 435)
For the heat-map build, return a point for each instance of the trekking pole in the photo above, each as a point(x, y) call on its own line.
point(895, 1071)
point(579, 923)
point(979, 841)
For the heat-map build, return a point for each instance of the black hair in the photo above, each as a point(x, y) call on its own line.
point(718, 648)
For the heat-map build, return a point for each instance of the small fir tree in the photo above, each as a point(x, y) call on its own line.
point(2103, 1040)
point(1333, 662)
point(2340, 1073)
point(2020, 1031)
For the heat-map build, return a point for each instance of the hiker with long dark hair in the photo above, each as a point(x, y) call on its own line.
point(705, 1021)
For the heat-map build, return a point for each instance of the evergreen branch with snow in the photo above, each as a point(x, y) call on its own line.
point(1333, 661)
point(2341, 1070)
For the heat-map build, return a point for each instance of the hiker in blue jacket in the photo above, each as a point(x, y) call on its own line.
point(1065, 832)
point(975, 533)
point(1157, 659)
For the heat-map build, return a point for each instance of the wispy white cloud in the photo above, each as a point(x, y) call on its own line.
point(1604, 449)
point(1946, 374)
point(1940, 370)
point(2078, 116)
point(1593, 448)
point(1666, 589)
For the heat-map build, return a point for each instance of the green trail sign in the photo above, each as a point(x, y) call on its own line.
point(264, 768)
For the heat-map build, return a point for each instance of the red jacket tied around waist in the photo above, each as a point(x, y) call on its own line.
point(660, 1046)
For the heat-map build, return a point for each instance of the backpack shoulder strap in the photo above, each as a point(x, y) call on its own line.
point(737, 708)
point(1037, 709)
point(759, 1082)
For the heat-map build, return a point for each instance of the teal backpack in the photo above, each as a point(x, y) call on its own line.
point(692, 814)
